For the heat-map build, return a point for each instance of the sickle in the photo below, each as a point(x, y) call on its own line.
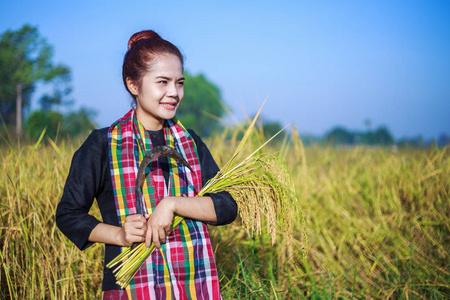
point(151, 155)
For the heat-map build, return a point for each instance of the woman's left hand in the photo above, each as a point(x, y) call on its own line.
point(159, 223)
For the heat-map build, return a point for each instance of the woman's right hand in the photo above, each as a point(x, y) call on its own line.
point(133, 230)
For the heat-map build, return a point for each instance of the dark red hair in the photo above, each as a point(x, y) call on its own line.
point(143, 48)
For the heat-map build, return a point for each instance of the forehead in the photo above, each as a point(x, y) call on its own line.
point(168, 64)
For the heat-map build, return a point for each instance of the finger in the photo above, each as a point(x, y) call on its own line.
point(162, 235)
point(135, 218)
point(135, 232)
point(167, 231)
point(130, 239)
point(155, 238)
point(134, 235)
point(137, 238)
point(135, 222)
point(148, 239)
point(140, 224)
point(137, 225)
point(139, 218)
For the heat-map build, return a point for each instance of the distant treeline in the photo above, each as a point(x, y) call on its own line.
point(380, 136)
point(341, 136)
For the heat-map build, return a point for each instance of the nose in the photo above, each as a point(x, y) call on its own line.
point(173, 90)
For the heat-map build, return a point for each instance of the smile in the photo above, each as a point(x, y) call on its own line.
point(170, 106)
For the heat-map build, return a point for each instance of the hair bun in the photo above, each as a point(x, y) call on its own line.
point(141, 35)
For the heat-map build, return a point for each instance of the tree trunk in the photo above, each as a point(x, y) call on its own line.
point(19, 109)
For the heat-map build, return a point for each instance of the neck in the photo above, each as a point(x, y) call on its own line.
point(149, 124)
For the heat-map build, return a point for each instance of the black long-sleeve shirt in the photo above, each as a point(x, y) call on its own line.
point(89, 177)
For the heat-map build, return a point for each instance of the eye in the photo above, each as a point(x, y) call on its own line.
point(162, 81)
point(181, 83)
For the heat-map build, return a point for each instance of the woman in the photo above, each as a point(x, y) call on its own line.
point(105, 167)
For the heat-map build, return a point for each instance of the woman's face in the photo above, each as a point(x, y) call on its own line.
point(160, 93)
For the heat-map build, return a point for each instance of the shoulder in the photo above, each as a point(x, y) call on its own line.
point(98, 136)
point(96, 142)
point(204, 154)
point(193, 134)
point(91, 158)
point(198, 141)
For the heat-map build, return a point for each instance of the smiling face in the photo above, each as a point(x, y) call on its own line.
point(160, 92)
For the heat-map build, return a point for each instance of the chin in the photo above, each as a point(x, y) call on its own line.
point(169, 116)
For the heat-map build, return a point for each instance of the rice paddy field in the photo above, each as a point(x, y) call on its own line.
point(363, 223)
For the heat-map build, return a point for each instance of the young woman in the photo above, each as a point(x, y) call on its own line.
point(105, 168)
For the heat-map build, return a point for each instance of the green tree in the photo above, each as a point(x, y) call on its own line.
point(270, 128)
point(25, 59)
point(201, 105)
point(72, 124)
point(61, 91)
point(39, 120)
point(79, 122)
point(339, 136)
point(367, 138)
point(383, 136)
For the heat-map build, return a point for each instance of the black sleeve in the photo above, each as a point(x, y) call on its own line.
point(82, 184)
point(224, 204)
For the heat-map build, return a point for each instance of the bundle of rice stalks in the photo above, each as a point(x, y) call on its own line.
point(259, 192)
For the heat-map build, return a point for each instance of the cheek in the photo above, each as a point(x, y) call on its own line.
point(156, 94)
point(181, 94)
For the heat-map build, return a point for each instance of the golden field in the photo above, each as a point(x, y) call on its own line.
point(367, 223)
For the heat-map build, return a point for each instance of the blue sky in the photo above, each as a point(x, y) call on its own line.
point(324, 63)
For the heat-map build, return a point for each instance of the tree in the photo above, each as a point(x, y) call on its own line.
point(269, 128)
point(339, 136)
point(382, 136)
point(201, 103)
point(79, 122)
point(443, 140)
point(73, 123)
point(40, 120)
point(25, 59)
point(61, 90)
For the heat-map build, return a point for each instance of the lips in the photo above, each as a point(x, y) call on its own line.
point(171, 105)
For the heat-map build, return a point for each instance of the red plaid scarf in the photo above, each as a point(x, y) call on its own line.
point(184, 267)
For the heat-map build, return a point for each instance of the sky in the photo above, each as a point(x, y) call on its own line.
point(322, 63)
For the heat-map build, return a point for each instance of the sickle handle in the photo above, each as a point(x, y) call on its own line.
point(151, 155)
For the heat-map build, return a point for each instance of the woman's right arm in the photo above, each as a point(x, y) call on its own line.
point(88, 179)
point(133, 230)
point(82, 184)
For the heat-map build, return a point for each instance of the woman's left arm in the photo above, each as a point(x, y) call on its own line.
point(215, 209)
point(224, 205)
point(160, 221)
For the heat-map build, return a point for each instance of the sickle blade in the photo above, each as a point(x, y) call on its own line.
point(151, 155)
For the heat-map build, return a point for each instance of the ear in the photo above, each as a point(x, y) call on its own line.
point(132, 86)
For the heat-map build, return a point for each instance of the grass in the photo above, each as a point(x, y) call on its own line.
point(377, 226)
point(366, 223)
point(37, 261)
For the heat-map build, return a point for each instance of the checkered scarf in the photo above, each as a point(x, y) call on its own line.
point(184, 267)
